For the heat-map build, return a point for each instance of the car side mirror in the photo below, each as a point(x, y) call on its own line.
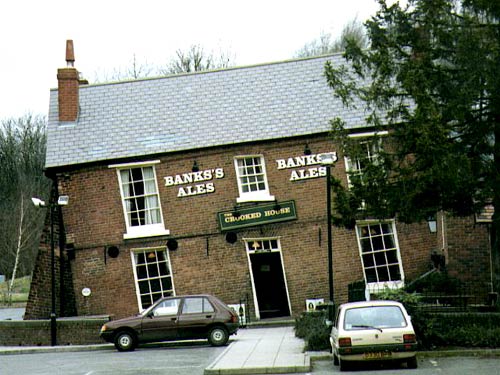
point(151, 314)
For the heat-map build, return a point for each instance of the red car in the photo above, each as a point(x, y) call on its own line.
point(174, 318)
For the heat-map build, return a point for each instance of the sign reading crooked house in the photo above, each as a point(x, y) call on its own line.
point(257, 215)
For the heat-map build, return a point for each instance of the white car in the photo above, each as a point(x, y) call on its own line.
point(373, 331)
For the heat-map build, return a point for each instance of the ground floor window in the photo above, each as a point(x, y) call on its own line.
point(153, 275)
point(380, 255)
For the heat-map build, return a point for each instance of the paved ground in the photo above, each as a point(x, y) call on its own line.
point(11, 313)
point(268, 350)
point(273, 350)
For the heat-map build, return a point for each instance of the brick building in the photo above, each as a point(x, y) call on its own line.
point(211, 182)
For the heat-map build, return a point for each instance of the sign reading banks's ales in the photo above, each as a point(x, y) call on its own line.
point(257, 215)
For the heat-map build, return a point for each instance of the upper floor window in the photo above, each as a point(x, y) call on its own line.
point(140, 199)
point(380, 256)
point(252, 179)
point(369, 153)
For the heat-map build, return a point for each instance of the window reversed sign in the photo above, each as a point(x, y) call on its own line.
point(257, 215)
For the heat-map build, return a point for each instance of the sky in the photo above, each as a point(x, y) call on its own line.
point(107, 34)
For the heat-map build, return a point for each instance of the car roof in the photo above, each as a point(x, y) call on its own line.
point(370, 304)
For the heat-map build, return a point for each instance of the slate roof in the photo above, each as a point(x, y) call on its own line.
point(198, 110)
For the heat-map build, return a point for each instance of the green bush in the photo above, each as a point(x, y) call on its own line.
point(436, 282)
point(434, 330)
point(311, 327)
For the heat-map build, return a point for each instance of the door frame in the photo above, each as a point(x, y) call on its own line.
point(249, 252)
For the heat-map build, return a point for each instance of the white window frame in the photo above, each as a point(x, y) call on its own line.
point(352, 167)
point(373, 287)
point(134, 255)
point(250, 250)
point(140, 231)
point(254, 196)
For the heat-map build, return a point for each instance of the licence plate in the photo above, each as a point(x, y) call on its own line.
point(377, 355)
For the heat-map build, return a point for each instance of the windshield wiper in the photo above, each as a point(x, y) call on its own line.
point(366, 326)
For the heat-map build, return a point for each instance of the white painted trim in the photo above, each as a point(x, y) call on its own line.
point(143, 231)
point(133, 252)
point(368, 134)
point(391, 284)
point(250, 252)
point(257, 196)
point(151, 230)
point(134, 165)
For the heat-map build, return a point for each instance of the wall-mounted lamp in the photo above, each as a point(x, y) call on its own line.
point(231, 237)
point(277, 206)
point(38, 202)
point(172, 244)
point(431, 221)
point(195, 167)
point(236, 212)
point(307, 150)
point(113, 251)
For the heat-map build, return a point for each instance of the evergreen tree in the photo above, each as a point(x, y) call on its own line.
point(431, 78)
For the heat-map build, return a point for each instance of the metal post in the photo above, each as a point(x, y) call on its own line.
point(53, 323)
point(330, 250)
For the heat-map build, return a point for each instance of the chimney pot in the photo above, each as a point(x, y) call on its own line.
point(68, 81)
point(70, 53)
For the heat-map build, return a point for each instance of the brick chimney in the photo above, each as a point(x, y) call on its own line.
point(68, 81)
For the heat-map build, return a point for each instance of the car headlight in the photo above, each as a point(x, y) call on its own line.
point(104, 328)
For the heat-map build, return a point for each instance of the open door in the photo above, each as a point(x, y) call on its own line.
point(269, 284)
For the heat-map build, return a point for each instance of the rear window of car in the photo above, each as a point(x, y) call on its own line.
point(197, 305)
point(374, 317)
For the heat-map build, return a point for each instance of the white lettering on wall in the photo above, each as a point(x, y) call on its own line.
point(195, 178)
point(302, 161)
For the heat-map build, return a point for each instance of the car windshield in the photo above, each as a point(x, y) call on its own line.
point(374, 317)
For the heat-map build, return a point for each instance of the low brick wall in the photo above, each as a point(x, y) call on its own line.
point(70, 331)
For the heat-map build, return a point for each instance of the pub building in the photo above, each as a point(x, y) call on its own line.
point(212, 182)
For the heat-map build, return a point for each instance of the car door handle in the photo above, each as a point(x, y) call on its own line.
point(208, 316)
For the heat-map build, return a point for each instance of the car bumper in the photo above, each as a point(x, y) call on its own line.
point(232, 328)
point(377, 352)
point(107, 336)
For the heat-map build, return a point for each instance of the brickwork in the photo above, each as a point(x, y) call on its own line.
point(68, 79)
point(468, 254)
point(204, 261)
point(37, 332)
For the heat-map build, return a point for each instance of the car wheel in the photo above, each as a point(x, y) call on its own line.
point(125, 341)
point(218, 336)
point(412, 362)
point(335, 360)
point(343, 365)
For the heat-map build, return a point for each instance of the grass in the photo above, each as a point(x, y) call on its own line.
point(20, 290)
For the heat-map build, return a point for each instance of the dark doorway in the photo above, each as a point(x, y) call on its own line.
point(269, 284)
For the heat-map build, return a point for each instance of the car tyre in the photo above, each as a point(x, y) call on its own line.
point(125, 341)
point(343, 365)
point(412, 363)
point(335, 360)
point(218, 336)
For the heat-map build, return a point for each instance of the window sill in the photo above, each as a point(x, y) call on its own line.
point(143, 233)
point(255, 198)
point(380, 286)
